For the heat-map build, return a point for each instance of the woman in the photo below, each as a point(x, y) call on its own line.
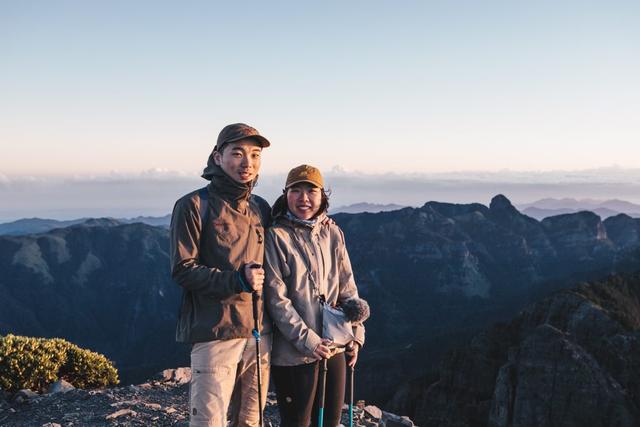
point(306, 264)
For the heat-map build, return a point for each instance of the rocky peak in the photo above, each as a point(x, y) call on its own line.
point(582, 229)
point(453, 210)
point(501, 203)
point(574, 221)
point(623, 230)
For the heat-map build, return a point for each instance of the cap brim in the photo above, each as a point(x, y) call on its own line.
point(264, 142)
point(315, 184)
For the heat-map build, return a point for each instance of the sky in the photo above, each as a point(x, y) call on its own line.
point(94, 90)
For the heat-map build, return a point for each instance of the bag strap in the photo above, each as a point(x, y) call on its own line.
point(264, 210)
point(204, 211)
point(203, 194)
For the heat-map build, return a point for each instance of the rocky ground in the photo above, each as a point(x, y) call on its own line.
point(158, 402)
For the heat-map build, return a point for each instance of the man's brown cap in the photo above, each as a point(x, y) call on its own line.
point(237, 132)
point(305, 173)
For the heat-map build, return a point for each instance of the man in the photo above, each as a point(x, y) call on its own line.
point(217, 248)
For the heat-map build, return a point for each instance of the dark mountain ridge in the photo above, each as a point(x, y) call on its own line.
point(434, 276)
point(27, 226)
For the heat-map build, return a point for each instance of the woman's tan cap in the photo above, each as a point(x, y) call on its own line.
point(305, 173)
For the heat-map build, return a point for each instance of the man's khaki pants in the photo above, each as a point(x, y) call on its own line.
point(223, 374)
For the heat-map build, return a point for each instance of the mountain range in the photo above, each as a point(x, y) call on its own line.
point(544, 208)
point(540, 209)
point(365, 207)
point(435, 276)
point(26, 226)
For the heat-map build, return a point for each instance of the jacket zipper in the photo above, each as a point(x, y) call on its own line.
point(307, 260)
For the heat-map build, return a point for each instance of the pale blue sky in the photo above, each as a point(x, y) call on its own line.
point(91, 87)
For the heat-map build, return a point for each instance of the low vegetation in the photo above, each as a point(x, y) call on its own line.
point(35, 363)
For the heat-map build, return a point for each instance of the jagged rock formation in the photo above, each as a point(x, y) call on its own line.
point(572, 359)
point(162, 401)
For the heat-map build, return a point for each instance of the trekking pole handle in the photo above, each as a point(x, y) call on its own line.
point(256, 298)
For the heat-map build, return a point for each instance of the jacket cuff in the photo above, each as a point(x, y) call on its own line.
point(312, 341)
point(241, 285)
point(358, 332)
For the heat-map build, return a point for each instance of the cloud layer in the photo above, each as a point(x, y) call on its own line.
point(154, 192)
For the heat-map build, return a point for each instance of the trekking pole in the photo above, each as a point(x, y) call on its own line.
point(255, 297)
point(323, 383)
point(351, 372)
point(351, 377)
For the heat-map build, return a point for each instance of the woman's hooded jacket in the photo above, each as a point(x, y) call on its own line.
point(304, 264)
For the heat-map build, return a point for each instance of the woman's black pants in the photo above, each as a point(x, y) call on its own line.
point(297, 390)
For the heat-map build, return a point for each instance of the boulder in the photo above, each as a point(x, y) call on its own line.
point(392, 420)
point(60, 386)
point(24, 395)
point(178, 375)
point(121, 413)
point(373, 411)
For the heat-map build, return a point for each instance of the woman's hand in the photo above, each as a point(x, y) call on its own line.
point(324, 350)
point(352, 353)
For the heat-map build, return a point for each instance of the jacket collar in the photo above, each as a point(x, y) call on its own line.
point(225, 187)
point(296, 223)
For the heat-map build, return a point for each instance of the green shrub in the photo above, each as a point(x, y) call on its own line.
point(34, 363)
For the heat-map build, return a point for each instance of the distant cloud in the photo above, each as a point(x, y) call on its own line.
point(159, 173)
point(115, 175)
point(154, 191)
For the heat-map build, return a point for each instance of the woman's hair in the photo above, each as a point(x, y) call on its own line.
point(280, 206)
point(324, 202)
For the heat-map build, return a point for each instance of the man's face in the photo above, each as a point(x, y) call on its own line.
point(240, 160)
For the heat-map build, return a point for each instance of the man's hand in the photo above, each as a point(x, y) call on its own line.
point(324, 350)
point(254, 274)
point(327, 221)
point(352, 353)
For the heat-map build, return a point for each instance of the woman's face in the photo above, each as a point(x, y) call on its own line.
point(304, 200)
